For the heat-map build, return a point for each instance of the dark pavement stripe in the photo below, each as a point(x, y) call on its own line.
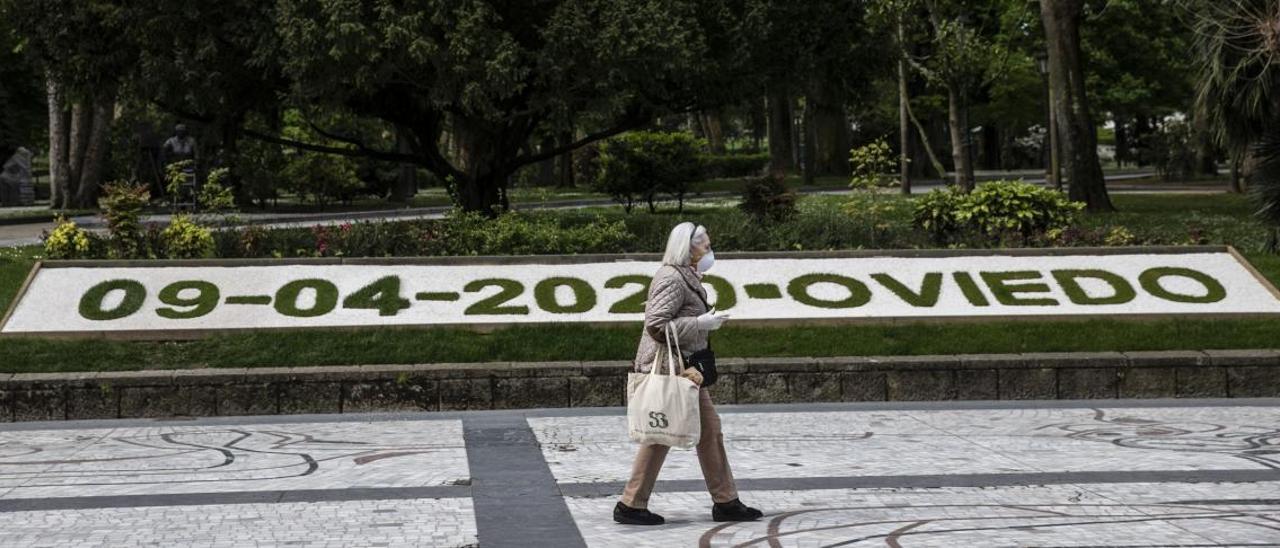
point(513, 491)
point(941, 480)
point(234, 497)
point(518, 491)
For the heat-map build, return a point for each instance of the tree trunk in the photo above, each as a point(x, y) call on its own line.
point(796, 130)
point(714, 130)
point(926, 145)
point(479, 194)
point(1122, 142)
point(759, 122)
point(547, 168)
point(1234, 182)
point(78, 141)
point(904, 125)
point(958, 122)
point(406, 183)
point(1079, 140)
point(1206, 155)
point(59, 161)
point(1139, 136)
point(1248, 165)
point(95, 154)
point(565, 173)
point(808, 147)
point(830, 131)
point(780, 160)
point(479, 187)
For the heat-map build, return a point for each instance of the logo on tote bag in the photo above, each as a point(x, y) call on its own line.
point(657, 420)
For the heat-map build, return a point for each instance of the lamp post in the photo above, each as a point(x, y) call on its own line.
point(1053, 174)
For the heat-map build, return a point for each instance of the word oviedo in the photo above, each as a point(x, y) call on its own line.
point(144, 300)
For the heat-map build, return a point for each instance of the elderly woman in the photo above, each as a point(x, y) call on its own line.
point(676, 298)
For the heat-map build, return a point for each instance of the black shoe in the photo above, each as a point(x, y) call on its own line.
point(635, 516)
point(734, 510)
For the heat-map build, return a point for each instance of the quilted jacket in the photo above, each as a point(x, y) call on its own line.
point(676, 297)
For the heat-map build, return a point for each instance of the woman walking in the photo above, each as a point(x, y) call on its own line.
point(678, 303)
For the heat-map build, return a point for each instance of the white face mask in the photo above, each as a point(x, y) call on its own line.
point(707, 261)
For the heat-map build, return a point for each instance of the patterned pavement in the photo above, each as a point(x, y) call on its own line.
point(1101, 473)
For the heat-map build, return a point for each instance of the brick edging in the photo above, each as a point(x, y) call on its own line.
point(503, 385)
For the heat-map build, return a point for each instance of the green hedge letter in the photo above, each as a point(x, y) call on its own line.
point(1150, 281)
point(1121, 291)
point(929, 289)
point(633, 304)
point(286, 301)
point(726, 297)
point(584, 297)
point(204, 302)
point(970, 289)
point(858, 292)
point(1006, 292)
point(91, 302)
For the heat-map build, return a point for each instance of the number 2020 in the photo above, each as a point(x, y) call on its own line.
point(584, 296)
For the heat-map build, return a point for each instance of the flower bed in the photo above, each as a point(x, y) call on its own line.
point(175, 299)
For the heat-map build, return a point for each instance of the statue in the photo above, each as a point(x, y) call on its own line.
point(181, 146)
point(16, 187)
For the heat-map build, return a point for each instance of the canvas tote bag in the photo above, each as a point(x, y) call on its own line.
point(662, 408)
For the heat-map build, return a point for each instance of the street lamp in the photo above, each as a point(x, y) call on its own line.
point(1053, 174)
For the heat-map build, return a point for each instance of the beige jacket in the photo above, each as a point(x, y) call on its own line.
point(676, 297)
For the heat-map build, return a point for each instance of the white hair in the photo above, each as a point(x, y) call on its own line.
point(682, 237)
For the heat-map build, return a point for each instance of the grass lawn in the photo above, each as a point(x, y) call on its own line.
point(1212, 219)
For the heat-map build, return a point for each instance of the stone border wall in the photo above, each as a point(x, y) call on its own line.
point(445, 387)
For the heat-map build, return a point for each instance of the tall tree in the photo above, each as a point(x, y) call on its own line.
point(21, 94)
point(1077, 135)
point(781, 154)
point(959, 56)
point(85, 48)
point(824, 52)
point(1138, 66)
point(1237, 57)
point(492, 73)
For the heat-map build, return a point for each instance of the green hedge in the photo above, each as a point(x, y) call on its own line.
point(724, 166)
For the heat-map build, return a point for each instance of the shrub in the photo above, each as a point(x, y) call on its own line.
point(122, 205)
point(214, 195)
point(174, 176)
point(1002, 207)
point(586, 164)
point(869, 164)
point(936, 212)
point(1172, 150)
point(995, 212)
point(643, 164)
point(521, 234)
point(724, 166)
point(321, 178)
point(768, 198)
point(184, 239)
point(68, 241)
point(258, 166)
point(1119, 236)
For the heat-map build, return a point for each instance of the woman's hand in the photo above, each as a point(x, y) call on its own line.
point(693, 375)
point(712, 320)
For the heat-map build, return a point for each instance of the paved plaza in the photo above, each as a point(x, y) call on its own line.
point(1103, 473)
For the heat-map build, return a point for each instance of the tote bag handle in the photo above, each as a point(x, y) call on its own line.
point(670, 332)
